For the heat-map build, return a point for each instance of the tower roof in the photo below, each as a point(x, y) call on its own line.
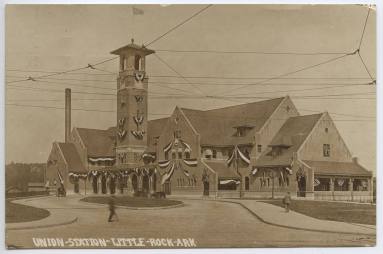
point(132, 47)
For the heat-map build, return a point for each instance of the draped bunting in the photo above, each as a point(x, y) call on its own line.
point(168, 174)
point(229, 181)
point(191, 162)
point(340, 182)
point(60, 176)
point(163, 164)
point(121, 134)
point(289, 170)
point(255, 170)
point(186, 145)
point(316, 182)
point(167, 148)
point(100, 159)
point(138, 119)
point(237, 153)
point(138, 134)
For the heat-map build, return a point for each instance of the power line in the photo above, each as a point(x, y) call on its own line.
point(296, 71)
point(190, 77)
point(364, 28)
point(175, 71)
point(178, 25)
point(64, 72)
point(250, 52)
point(168, 114)
point(365, 66)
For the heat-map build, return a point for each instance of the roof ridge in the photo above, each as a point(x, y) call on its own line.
point(243, 104)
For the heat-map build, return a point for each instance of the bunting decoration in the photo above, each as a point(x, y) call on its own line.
point(168, 147)
point(168, 174)
point(163, 164)
point(186, 145)
point(139, 76)
point(316, 182)
point(191, 162)
point(138, 134)
point(139, 98)
point(229, 182)
point(289, 170)
point(121, 134)
point(60, 177)
point(238, 154)
point(186, 173)
point(138, 119)
point(254, 171)
point(100, 159)
point(340, 182)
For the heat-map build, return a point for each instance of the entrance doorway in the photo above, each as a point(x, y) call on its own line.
point(134, 183)
point(206, 188)
point(103, 184)
point(145, 184)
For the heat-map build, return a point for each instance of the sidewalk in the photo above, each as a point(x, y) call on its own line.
point(57, 217)
point(275, 215)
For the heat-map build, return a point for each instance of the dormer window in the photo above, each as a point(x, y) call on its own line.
point(242, 130)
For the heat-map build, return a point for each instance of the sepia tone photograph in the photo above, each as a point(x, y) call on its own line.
point(169, 126)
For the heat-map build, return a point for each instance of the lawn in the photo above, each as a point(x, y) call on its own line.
point(133, 201)
point(23, 213)
point(335, 211)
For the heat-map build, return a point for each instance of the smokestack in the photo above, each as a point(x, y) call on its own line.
point(67, 114)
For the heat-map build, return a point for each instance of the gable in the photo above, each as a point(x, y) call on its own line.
point(312, 149)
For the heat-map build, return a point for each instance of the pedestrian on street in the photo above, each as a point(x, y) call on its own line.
point(112, 209)
point(287, 202)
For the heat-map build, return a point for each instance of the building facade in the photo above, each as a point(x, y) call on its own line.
point(260, 149)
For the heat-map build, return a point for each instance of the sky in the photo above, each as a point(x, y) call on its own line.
point(42, 39)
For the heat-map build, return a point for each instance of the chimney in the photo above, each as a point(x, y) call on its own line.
point(355, 160)
point(67, 114)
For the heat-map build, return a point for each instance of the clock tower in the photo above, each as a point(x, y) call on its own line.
point(132, 105)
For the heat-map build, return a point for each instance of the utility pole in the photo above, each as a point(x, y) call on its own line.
point(240, 175)
point(272, 185)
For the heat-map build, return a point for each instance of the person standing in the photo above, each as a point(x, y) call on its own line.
point(112, 209)
point(287, 202)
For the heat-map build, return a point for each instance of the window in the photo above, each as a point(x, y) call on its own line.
point(214, 153)
point(247, 183)
point(326, 150)
point(187, 155)
point(326, 130)
point(173, 154)
point(180, 153)
point(259, 148)
point(137, 63)
point(167, 155)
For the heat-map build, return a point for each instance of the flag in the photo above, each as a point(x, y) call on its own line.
point(137, 11)
point(191, 162)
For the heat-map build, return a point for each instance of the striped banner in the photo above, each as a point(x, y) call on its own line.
point(190, 162)
point(168, 174)
point(167, 148)
point(163, 164)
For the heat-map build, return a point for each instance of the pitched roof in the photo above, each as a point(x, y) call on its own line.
point(222, 170)
point(291, 136)
point(155, 128)
point(338, 168)
point(216, 126)
point(99, 143)
point(72, 157)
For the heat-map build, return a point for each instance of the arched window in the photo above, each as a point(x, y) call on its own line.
point(138, 63)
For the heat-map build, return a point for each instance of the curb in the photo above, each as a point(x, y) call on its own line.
point(292, 227)
point(137, 208)
point(43, 226)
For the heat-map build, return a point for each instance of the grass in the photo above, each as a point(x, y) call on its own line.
point(23, 213)
point(133, 201)
point(334, 211)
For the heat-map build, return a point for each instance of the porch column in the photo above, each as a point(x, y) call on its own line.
point(351, 188)
point(332, 187)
